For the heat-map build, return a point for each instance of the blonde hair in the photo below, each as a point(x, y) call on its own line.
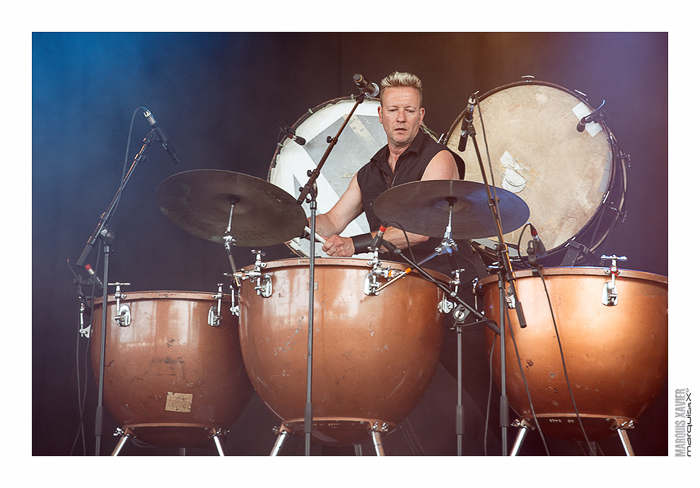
point(402, 79)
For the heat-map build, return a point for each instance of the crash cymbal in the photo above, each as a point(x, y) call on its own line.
point(422, 207)
point(199, 202)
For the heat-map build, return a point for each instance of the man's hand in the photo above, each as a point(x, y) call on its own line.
point(339, 247)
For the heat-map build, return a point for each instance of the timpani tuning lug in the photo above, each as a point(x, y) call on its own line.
point(214, 318)
point(123, 317)
point(609, 295)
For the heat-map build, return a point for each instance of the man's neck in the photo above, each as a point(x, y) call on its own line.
point(394, 153)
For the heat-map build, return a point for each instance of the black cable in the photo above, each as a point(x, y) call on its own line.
point(488, 401)
point(126, 161)
point(405, 235)
point(81, 396)
point(527, 388)
point(563, 362)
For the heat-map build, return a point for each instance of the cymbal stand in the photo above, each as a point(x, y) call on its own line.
point(448, 243)
point(308, 193)
point(505, 273)
point(228, 238)
point(460, 314)
point(107, 237)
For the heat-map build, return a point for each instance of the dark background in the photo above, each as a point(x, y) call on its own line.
point(221, 98)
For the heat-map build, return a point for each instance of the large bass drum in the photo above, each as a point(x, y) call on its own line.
point(573, 182)
point(171, 379)
point(362, 137)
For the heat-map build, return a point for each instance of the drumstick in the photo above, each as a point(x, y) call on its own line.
point(319, 238)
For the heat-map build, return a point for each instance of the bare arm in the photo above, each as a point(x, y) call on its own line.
point(333, 222)
point(441, 167)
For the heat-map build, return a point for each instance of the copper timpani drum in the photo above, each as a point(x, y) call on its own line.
point(573, 182)
point(374, 355)
point(171, 379)
point(616, 354)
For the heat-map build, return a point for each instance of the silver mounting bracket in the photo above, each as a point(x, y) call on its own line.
point(123, 317)
point(609, 296)
point(214, 318)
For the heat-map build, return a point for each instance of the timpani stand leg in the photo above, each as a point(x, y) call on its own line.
point(375, 428)
point(217, 441)
point(377, 439)
point(282, 433)
point(523, 426)
point(622, 427)
point(125, 435)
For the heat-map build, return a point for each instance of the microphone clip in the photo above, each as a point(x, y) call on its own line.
point(290, 133)
point(593, 118)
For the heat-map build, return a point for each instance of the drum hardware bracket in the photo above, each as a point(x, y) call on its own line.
point(214, 318)
point(263, 285)
point(123, 317)
point(446, 306)
point(84, 331)
point(609, 296)
point(510, 298)
point(574, 249)
point(124, 436)
point(371, 284)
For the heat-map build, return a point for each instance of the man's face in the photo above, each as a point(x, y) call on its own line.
point(401, 115)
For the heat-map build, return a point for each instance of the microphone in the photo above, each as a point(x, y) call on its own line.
point(466, 121)
point(161, 136)
point(372, 89)
point(377, 241)
point(596, 116)
point(540, 250)
point(291, 133)
point(94, 276)
point(582, 123)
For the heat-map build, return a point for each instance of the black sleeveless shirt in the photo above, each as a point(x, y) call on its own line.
point(376, 177)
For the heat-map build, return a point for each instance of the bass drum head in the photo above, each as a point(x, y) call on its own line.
point(360, 140)
point(565, 176)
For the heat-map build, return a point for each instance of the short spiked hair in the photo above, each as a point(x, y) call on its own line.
point(402, 79)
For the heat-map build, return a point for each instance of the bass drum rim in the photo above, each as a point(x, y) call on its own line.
point(612, 200)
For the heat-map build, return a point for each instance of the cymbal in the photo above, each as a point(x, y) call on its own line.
point(422, 207)
point(199, 202)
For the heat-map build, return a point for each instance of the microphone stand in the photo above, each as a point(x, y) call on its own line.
point(505, 273)
point(460, 317)
point(309, 193)
point(107, 237)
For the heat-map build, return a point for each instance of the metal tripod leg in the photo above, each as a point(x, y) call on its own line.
point(281, 436)
point(625, 441)
point(217, 441)
point(377, 439)
point(522, 432)
point(124, 437)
